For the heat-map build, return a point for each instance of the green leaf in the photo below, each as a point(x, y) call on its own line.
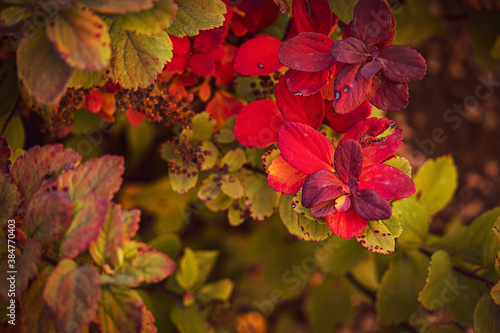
point(313, 230)
point(226, 134)
point(399, 287)
point(188, 271)
point(329, 304)
point(268, 158)
point(206, 261)
point(486, 315)
point(414, 220)
point(136, 59)
point(190, 320)
point(139, 142)
point(209, 189)
point(170, 244)
point(15, 132)
point(495, 293)
point(44, 74)
point(343, 9)
point(101, 176)
point(495, 50)
point(435, 184)
point(210, 153)
point(48, 217)
point(10, 198)
point(216, 291)
point(111, 236)
point(289, 217)
point(232, 186)
point(120, 310)
point(461, 297)
point(234, 159)
point(339, 256)
point(12, 15)
point(149, 265)
point(118, 6)
point(131, 219)
point(149, 21)
point(235, 214)
point(183, 182)
point(81, 37)
point(90, 215)
point(401, 164)
point(297, 206)
point(195, 15)
point(203, 126)
point(261, 199)
point(87, 79)
point(379, 236)
point(483, 28)
point(219, 203)
point(70, 291)
point(438, 279)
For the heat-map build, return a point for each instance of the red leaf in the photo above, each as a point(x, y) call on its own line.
point(10, 198)
point(94, 100)
point(135, 118)
point(255, 20)
point(285, 178)
point(388, 181)
point(48, 216)
point(307, 52)
point(350, 88)
point(306, 83)
point(350, 50)
point(402, 64)
point(346, 224)
point(249, 6)
point(313, 16)
point(388, 95)
point(304, 148)
point(308, 110)
point(371, 206)
point(222, 106)
point(207, 40)
point(369, 69)
point(258, 56)
point(321, 186)
point(72, 294)
point(178, 64)
point(342, 122)
point(4, 156)
point(180, 45)
point(258, 123)
point(201, 64)
point(224, 72)
point(372, 22)
point(348, 160)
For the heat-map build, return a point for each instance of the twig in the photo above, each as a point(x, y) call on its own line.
point(10, 116)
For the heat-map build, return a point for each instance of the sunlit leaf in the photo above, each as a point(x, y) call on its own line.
point(379, 236)
point(440, 273)
point(188, 271)
point(149, 265)
point(234, 159)
point(111, 236)
point(195, 15)
point(216, 291)
point(119, 6)
point(261, 199)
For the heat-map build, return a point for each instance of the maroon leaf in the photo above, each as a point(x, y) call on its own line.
point(10, 198)
point(72, 293)
point(258, 56)
point(111, 237)
point(346, 224)
point(372, 22)
point(350, 88)
point(371, 206)
point(304, 148)
point(350, 50)
point(30, 171)
point(323, 209)
point(27, 265)
point(342, 122)
point(312, 16)
point(306, 83)
point(131, 219)
point(388, 181)
point(348, 160)
point(258, 123)
point(101, 176)
point(84, 229)
point(388, 95)
point(307, 52)
point(48, 216)
point(308, 110)
point(4, 156)
point(371, 68)
point(321, 186)
point(402, 64)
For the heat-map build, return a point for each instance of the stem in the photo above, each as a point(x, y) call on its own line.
point(468, 274)
point(364, 289)
point(12, 112)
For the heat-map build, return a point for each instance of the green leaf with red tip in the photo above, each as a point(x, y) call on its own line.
point(10, 198)
point(120, 310)
point(261, 199)
point(101, 176)
point(136, 59)
point(210, 152)
point(90, 215)
point(119, 6)
point(31, 171)
point(268, 158)
point(195, 15)
point(81, 37)
point(440, 274)
point(149, 21)
point(111, 237)
point(289, 217)
point(44, 74)
point(71, 291)
point(48, 216)
point(379, 236)
point(313, 230)
point(131, 219)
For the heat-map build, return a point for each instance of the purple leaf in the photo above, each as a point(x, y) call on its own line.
point(10, 198)
point(323, 209)
point(372, 22)
point(371, 206)
point(4, 155)
point(370, 69)
point(348, 160)
point(350, 50)
point(306, 83)
point(402, 64)
point(350, 88)
point(307, 52)
point(388, 95)
point(321, 186)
